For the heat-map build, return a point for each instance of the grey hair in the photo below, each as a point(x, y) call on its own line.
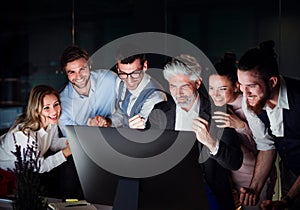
point(183, 64)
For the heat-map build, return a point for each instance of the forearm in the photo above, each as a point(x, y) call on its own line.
point(51, 161)
point(263, 166)
point(295, 189)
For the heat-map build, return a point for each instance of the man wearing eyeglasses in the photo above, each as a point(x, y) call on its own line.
point(137, 92)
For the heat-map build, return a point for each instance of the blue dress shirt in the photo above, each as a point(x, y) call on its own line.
point(76, 108)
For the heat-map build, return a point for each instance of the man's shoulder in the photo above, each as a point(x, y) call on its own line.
point(166, 106)
point(65, 92)
point(155, 88)
point(103, 73)
point(293, 85)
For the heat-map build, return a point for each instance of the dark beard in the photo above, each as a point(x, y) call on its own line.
point(261, 103)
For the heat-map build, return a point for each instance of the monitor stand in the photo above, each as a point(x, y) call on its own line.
point(127, 194)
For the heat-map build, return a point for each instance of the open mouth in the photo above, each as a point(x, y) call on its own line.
point(80, 80)
point(55, 117)
point(251, 99)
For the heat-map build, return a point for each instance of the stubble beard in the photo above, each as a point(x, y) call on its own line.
point(258, 107)
point(188, 103)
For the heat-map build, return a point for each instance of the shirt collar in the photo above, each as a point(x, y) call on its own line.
point(283, 98)
point(195, 108)
point(283, 102)
point(142, 85)
point(43, 132)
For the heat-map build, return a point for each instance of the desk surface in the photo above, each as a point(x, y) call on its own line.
point(6, 204)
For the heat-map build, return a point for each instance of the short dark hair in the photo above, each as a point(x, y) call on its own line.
point(128, 53)
point(263, 59)
point(72, 53)
point(132, 58)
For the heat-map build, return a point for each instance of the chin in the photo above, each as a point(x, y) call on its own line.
point(256, 108)
point(219, 103)
point(53, 122)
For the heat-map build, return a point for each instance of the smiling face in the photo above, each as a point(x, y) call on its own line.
point(221, 90)
point(137, 71)
point(78, 73)
point(51, 110)
point(254, 89)
point(183, 90)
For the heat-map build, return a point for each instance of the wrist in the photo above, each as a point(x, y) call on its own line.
point(242, 125)
point(108, 122)
point(214, 147)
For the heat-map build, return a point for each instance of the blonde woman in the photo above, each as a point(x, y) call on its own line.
point(39, 124)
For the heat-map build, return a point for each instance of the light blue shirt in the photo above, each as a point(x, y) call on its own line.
point(76, 108)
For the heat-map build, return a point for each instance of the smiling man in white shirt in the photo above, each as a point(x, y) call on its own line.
point(271, 103)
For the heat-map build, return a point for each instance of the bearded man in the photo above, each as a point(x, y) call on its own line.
point(271, 104)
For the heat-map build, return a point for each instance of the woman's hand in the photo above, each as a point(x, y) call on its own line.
point(230, 119)
point(67, 150)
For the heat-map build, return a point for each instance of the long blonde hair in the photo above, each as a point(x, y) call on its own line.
point(31, 120)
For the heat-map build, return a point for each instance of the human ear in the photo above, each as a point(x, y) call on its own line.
point(236, 87)
point(273, 81)
point(198, 82)
point(145, 65)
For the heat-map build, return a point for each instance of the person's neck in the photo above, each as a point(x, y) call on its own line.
point(273, 101)
point(235, 95)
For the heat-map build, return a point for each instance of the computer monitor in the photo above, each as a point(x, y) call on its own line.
point(163, 164)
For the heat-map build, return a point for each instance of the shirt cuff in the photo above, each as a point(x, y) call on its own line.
point(216, 149)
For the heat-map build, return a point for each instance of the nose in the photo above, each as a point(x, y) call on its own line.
point(178, 91)
point(216, 92)
point(55, 109)
point(130, 80)
point(245, 90)
point(79, 75)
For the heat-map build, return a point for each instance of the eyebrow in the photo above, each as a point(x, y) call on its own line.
point(130, 72)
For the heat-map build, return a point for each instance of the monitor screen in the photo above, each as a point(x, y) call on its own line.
point(163, 162)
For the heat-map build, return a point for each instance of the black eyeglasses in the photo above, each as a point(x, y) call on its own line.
point(134, 75)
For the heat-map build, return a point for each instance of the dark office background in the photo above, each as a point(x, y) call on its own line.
point(34, 33)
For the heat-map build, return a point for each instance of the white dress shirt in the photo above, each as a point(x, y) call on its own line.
point(184, 119)
point(46, 139)
point(261, 136)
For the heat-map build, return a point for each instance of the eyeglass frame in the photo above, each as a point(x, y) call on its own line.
point(139, 72)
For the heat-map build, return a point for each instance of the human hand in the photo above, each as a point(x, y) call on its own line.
point(273, 205)
point(99, 121)
point(200, 127)
point(230, 119)
point(137, 122)
point(248, 196)
point(67, 150)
